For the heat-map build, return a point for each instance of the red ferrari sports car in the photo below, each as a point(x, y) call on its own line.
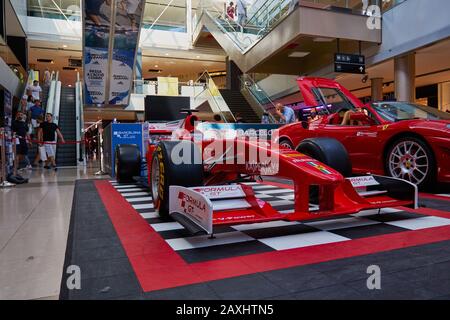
point(399, 139)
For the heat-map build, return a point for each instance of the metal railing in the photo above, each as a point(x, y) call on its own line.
point(263, 101)
point(211, 94)
point(150, 87)
point(79, 119)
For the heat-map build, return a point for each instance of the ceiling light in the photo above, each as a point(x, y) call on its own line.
point(156, 66)
point(299, 54)
point(198, 57)
point(64, 46)
point(167, 54)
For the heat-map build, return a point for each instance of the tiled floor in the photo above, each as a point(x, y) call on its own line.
point(34, 221)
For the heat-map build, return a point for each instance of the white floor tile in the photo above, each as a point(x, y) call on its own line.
point(336, 224)
point(262, 196)
point(204, 241)
point(281, 203)
point(302, 240)
point(263, 225)
point(132, 194)
point(127, 190)
point(126, 186)
point(421, 223)
point(276, 191)
point(165, 226)
point(131, 200)
point(149, 215)
point(143, 206)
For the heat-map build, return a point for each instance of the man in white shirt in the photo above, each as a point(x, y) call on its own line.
point(35, 90)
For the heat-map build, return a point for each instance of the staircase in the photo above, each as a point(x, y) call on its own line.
point(66, 155)
point(239, 106)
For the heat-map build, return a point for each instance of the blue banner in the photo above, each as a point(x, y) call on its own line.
point(126, 40)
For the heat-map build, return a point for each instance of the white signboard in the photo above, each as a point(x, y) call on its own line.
point(365, 181)
point(193, 205)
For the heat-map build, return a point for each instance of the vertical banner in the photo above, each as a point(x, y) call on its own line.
point(128, 16)
point(96, 38)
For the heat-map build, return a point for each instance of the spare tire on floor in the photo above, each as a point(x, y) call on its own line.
point(127, 162)
point(328, 151)
point(174, 163)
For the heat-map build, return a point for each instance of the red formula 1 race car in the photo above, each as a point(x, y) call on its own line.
point(204, 182)
point(402, 140)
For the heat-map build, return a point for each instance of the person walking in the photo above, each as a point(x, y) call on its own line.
point(241, 7)
point(35, 90)
point(47, 134)
point(20, 128)
point(23, 104)
point(47, 78)
point(231, 11)
point(35, 112)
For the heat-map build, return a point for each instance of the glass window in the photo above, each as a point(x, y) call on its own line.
point(398, 111)
point(335, 100)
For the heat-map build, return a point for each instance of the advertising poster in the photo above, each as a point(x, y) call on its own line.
point(126, 38)
point(96, 34)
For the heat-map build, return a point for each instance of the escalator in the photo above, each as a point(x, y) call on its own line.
point(239, 106)
point(278, 26)
point(66, 154)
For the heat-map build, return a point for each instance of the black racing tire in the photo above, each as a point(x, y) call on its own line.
point(287, 143)
point(424, 181)
point(166, 172)
point(328, 151)
point(127, 162)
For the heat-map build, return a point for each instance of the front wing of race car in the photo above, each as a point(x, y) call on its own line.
point(199, 209)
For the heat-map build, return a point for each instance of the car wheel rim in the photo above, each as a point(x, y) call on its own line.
point(155, 178)
point(409, 161)
point(286, 145)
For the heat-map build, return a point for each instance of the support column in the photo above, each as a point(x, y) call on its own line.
point(377, 89)
point(405, 78)
point(233, 74)
point(189, 20)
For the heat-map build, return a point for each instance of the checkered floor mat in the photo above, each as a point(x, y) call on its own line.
point(247, 239)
